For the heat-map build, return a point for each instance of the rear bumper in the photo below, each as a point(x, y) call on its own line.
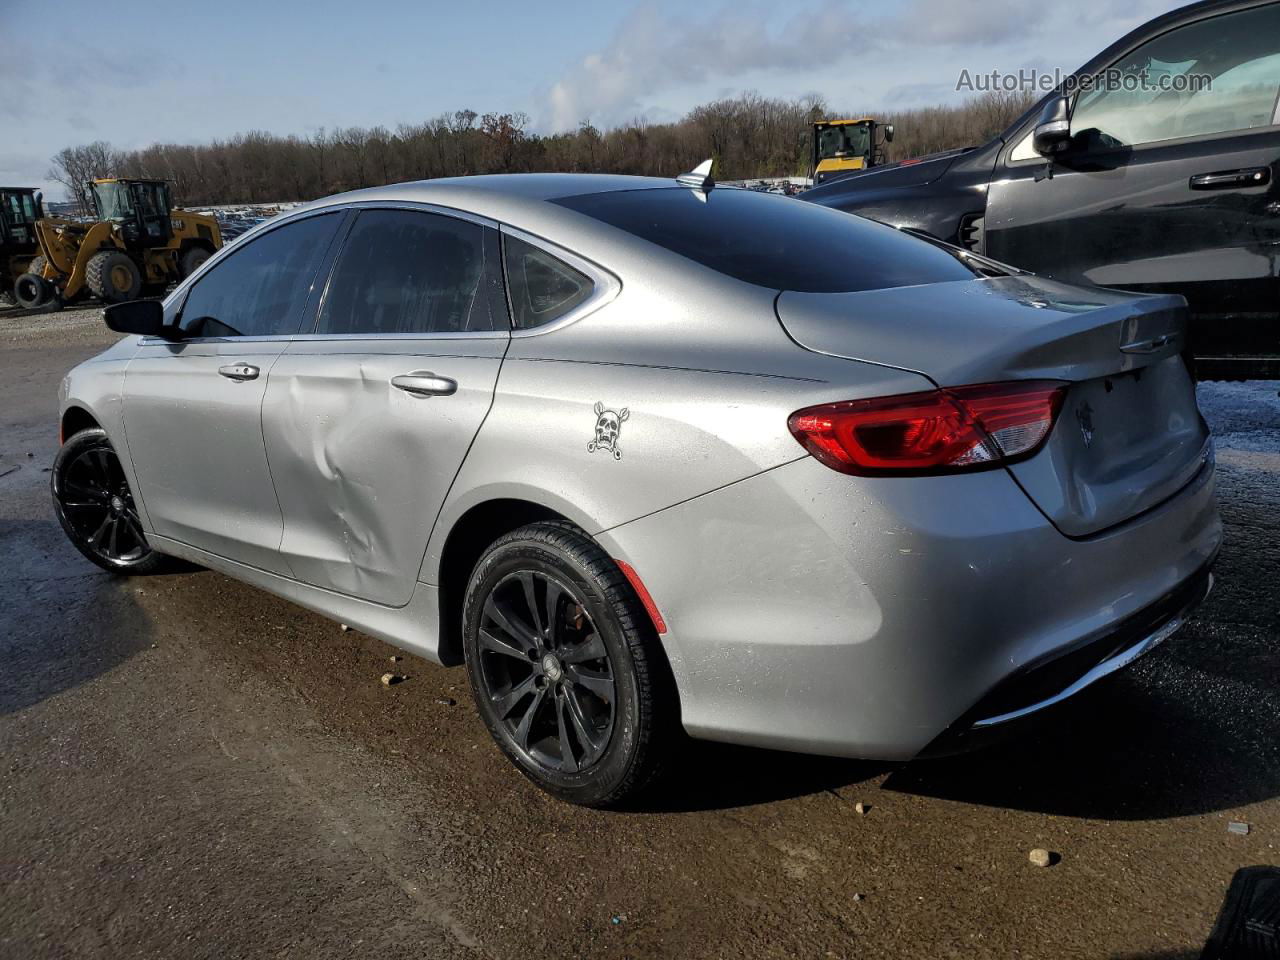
point(1045, 684)
point(868, 617)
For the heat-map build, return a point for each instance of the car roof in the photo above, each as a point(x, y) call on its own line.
point(507, 197)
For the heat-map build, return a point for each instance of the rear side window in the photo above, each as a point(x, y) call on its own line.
point(403, 271)
point(773, 241)
point(543, 288)
point(259, 289)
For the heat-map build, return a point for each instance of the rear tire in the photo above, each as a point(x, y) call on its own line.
point(95, 506)
point(111, 276)
point(193, 260)
point(573, 685)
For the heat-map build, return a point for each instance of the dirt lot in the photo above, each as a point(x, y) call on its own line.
point(192, 768)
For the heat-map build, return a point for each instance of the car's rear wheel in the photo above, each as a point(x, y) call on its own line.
point(95, 505)
point(565, 666)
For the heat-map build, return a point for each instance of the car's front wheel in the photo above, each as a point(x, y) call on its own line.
point(95, 506)
point(565, 666)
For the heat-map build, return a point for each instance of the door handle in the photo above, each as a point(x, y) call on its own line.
point(239, 371)
point(1231, 179)
point(424, 383)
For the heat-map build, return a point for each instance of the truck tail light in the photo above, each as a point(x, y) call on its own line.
point(937, 431)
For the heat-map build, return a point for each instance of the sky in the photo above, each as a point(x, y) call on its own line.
point(135, 73)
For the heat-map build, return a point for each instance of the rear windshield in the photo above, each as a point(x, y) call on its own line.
point(773, 241)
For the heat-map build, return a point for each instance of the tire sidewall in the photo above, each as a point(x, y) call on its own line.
point(30, 291)
point(193, 260)
point(598, 781)
point(98, 276)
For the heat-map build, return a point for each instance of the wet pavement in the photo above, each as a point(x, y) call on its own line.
point(190, 767)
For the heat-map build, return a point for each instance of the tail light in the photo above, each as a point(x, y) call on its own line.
point(938, 431)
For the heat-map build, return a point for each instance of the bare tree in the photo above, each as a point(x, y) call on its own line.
point(749, 136)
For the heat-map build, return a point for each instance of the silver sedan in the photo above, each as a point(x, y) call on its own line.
point(652, 456)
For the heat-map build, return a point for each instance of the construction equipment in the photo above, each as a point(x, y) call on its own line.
point(20, 208)
point(846, 146)
point(138, 244)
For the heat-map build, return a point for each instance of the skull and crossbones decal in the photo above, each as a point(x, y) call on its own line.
point(608, 426)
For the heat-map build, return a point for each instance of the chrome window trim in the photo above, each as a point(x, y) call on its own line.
point(272, 338)
point(606, 285)
point(379, 337)
point(421, 206)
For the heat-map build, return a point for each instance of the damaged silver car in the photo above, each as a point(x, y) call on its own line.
point(651, 456)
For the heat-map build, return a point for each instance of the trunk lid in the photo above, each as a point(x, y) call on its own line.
point(1129, 434)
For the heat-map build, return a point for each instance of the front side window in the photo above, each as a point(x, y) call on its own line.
point(543, 287)
point(403, 272)
point(1215, 76)
point(261, 288)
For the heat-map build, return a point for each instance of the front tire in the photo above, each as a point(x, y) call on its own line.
point(95, 506)
point(113, 277)
point(565, 666)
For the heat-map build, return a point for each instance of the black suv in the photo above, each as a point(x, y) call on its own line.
point(1162, 175)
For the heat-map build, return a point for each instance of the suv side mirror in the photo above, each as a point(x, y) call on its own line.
point(144, 317)
point(888, 133)
point(1053, 129)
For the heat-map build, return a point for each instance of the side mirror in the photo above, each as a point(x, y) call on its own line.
point(144, 317)
point(888, 133)
point(1053, 129)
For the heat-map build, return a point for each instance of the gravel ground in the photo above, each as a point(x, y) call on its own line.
point(194, 768)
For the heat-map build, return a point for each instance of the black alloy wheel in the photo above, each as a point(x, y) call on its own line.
point(95, 505)
point(546, 670)
point(566, 667)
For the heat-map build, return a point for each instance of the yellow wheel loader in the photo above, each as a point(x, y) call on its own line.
point(138, 245)
point(20, 208)
point(846, 146)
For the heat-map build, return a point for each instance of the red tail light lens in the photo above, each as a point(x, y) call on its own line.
point(938, 431)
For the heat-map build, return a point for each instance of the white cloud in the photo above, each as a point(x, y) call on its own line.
point(898, 53)
point(652, 51)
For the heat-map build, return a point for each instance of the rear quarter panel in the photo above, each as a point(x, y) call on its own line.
point(707, 379)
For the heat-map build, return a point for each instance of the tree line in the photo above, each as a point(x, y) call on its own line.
point(749, 136)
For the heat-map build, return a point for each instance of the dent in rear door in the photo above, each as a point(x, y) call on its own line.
point(361, 464)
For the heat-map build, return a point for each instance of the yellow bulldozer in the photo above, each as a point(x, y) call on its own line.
point(846, 146)
point(138, 245)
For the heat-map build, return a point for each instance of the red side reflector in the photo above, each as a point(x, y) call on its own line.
point(936, 431)
point(650, 607)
